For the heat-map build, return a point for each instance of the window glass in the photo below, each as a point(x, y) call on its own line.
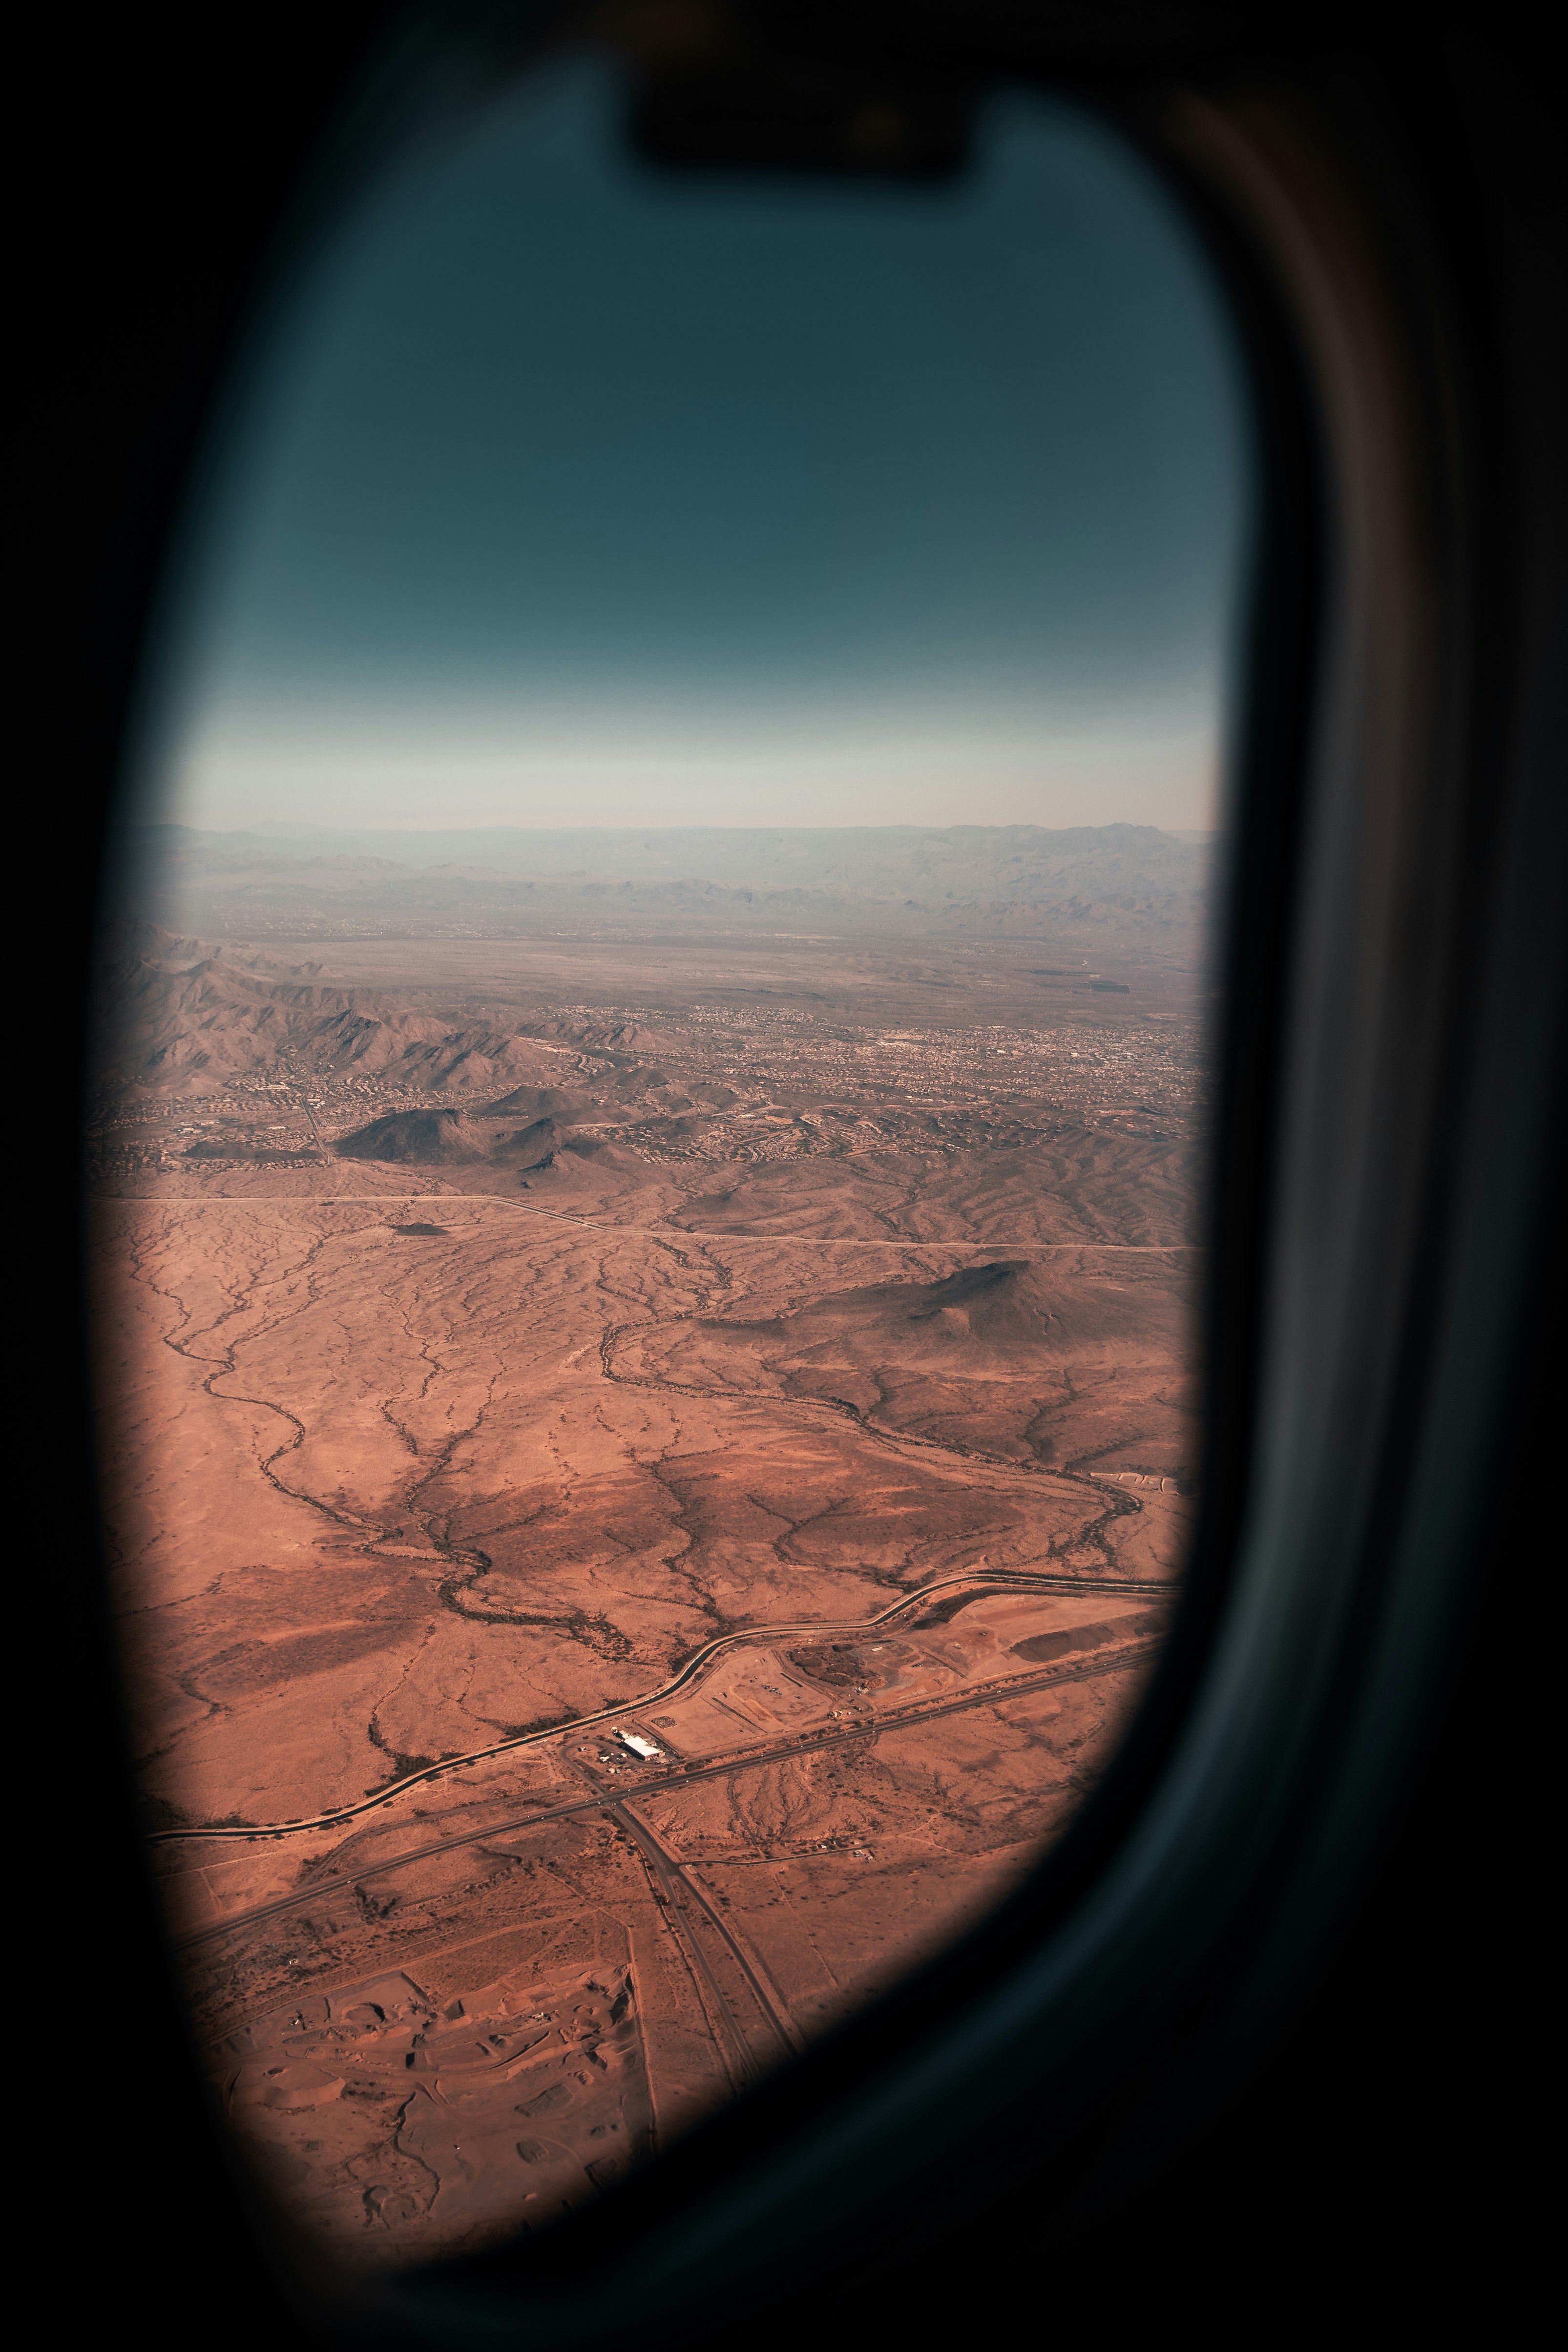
point(647, 1153)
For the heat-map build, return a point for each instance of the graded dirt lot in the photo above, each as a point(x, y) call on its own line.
point(645, 1473)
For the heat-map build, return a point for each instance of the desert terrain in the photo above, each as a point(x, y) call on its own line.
point(650, 1439)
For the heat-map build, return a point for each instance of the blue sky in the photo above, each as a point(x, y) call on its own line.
point(560, 490)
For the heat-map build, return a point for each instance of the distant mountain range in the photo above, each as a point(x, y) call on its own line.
point(181, 1016)
point(984, 878)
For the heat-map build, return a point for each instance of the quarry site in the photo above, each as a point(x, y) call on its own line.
point(650, 1439)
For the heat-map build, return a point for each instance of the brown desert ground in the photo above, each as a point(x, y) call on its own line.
point(648, 1460)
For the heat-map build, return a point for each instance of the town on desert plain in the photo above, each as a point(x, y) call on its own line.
point(649, 1437)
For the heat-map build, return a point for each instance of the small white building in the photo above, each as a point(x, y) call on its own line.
point(639, 1745)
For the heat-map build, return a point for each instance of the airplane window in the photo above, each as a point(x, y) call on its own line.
point(648, 1142)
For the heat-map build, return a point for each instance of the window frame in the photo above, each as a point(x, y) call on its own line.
point(1380, 1161)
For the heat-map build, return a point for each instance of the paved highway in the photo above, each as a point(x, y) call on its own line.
point(670, 1888)
point(674, 1869)
point(1015, 1579)
point(1109, 1662)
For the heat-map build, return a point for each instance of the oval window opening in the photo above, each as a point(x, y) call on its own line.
point(649, 1140)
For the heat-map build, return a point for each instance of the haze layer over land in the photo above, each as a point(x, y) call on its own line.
point(646, 1383)
point(297, 882)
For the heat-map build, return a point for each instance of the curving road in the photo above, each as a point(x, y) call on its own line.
point(897, 1440)
point(1019, 1580)
point(1107, 1662)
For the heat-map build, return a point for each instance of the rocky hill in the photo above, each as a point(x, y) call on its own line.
point(176, 1015)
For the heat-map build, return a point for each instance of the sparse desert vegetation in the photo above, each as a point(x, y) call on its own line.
point(647, 1462)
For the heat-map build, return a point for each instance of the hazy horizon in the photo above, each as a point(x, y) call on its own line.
point(252, 774)
point(649, 1139)
point(293, 828)
point(555, 485)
